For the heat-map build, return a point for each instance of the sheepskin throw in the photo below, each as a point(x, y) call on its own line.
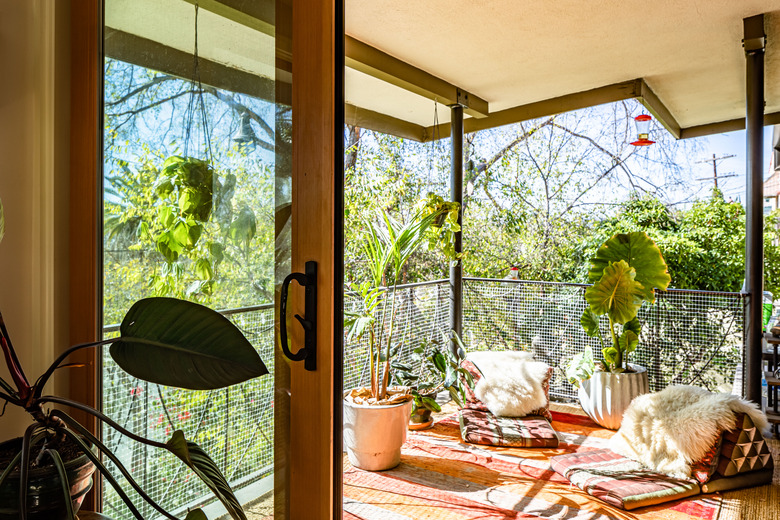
point(511, 382)
point(669, 430)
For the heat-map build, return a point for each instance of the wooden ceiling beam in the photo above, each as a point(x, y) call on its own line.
point(378, 64)
point(732, 125)
point(548, 107)
point(656, 107)
point(385, 124)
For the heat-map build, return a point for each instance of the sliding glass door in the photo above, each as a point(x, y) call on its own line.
point(205, 149)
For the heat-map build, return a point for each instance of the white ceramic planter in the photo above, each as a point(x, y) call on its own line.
point(605, 396)
point(373, 435)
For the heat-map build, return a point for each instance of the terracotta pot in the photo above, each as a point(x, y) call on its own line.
point(373, 435)
point(44, 495)
point(420, 419)
point(605, 396)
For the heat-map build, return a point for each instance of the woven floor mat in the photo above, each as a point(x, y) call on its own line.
point(442, 478)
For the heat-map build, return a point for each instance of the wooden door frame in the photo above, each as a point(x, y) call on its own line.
point(85, 207)
point(317, 232)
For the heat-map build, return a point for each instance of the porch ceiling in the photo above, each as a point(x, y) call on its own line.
point(514, 59)
point(519, 53)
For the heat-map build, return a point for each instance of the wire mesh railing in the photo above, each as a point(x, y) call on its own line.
point(689, 337)
point(234, 425)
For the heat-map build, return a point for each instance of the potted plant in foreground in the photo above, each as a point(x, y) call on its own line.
point(625, 272)
point(163, 340)
point(376, 417)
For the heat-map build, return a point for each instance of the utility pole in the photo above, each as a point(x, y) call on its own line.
point(715, 175)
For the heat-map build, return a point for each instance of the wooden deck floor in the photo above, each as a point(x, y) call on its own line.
point(760, 503)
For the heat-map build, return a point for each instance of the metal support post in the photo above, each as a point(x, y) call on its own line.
point(456, 193)
point(754, 44)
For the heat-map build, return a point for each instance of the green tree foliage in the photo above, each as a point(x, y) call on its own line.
point(188, 212)
point(704, 245)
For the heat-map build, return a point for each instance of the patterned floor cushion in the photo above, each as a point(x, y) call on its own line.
point(744, 459)
point(482, 427)
point(743, 450)
point(619, 481)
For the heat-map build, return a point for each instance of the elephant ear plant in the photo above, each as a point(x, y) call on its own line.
point(625, 272)
point(163, 340)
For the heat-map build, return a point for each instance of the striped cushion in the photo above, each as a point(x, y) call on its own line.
point(482, 427)
point(619, 481)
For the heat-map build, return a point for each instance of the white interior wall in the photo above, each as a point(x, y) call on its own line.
point(34, 173)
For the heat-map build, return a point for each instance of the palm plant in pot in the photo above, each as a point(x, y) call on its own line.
point(162, 340)
point(625, 272)
point(376, 416)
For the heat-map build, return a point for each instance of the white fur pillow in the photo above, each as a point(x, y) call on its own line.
point(511, 382)
point(671, 429)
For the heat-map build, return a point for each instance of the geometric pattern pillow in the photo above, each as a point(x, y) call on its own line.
point(620, 481)
point(474, 403)
point(743, 450)
point(482, 427)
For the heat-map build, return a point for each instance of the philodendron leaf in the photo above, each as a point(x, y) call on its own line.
point(179, 343)
point(628, 341)
point(640, 252)
point(196, 514)
point(205, 468)
point(611, 355)
point(634, 326)
point(616, 294)
point(590, 322)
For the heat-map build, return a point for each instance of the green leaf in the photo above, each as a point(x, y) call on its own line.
point(179, 343)
point(611, 355)
point(628, 341)
point(205, 468)
point(590, 322)
point(203, 269)
point(431, 404)
point(244, 227)
point(439, 361)
point(640, 252)
point(165, 215)
point(217, 252)
point(581, 367)
point(63, 480)
point(163, 187)
point(196, 514)
point(634, 326)
point(181, 234)
point(168, 248)
point(616, 293)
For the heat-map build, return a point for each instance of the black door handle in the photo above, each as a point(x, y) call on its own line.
point(309, 322)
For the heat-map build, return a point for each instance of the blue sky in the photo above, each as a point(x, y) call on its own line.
point(732, 143)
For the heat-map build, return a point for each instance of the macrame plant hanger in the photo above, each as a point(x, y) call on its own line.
point(196, 104)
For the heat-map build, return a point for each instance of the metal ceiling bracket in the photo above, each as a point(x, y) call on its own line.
point(462, 98)
point(755, 37)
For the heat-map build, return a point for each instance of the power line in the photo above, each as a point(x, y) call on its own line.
point(715, 175)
